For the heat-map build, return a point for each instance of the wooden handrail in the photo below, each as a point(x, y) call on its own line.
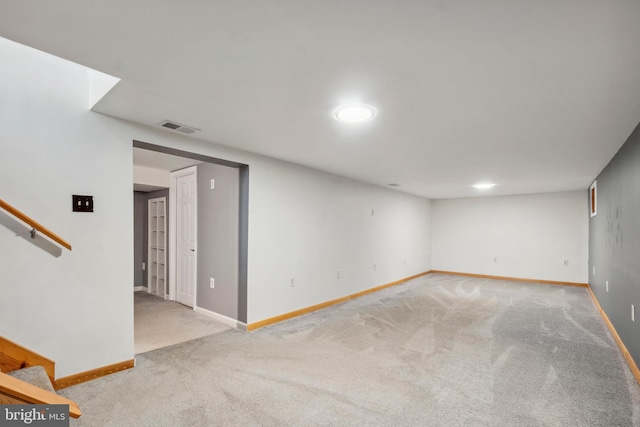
point(36, 225)
point(14, 356)
point(15, 391)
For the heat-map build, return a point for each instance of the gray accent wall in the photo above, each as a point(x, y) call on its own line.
point(218, 241)
point(243, 264)
point(139, 239)
point(614, 242)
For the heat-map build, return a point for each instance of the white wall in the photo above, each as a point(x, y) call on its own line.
point(78, 308)
point(530, 236)
point(306, 225)
point(150, 176)
point(310, 225)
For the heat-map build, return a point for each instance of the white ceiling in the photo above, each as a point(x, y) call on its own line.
point(536, 96)
point(156, 160)
point(162, 161)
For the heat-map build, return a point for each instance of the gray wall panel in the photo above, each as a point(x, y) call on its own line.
point(614, 242)
point(218, 239)
point(243, 265)
point(139, 237)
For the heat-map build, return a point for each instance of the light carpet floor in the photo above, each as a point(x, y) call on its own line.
point(436, 351)
point(159, 323)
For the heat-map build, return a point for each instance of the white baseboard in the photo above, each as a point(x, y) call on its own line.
point(222, 318)
point(139, 288)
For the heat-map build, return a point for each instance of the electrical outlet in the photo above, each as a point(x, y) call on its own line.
point(594, 271)
point(606, 285)
point(373, 212)
point(293, 283)
point(213, 184)
point(338, 274)
point(212, 283)
point(144, 266)
point(566, 262)
point(495, 259)
point(633, 313)
point(374, 267)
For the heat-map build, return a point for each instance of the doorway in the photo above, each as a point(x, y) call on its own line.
point(219, 242)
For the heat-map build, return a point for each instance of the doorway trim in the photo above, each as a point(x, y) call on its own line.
point(173, 234)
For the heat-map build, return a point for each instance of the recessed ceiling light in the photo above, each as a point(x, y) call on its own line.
point(484, 186)
point(354, 113)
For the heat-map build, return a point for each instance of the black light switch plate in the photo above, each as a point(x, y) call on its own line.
point(82, 203)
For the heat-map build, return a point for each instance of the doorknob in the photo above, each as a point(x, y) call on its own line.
point(193, 250)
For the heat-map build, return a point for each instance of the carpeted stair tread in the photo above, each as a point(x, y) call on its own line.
point(34, 375)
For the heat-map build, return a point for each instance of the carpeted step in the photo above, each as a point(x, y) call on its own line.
point(34, 375)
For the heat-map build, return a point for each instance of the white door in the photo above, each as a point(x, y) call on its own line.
point(186, 201)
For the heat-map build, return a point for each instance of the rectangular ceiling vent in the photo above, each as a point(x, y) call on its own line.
point(177, 126)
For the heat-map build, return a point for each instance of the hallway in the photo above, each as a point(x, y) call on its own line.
point(159, 323)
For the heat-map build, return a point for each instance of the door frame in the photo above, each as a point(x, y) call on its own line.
point(173, 232)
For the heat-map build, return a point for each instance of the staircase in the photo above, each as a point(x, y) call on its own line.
point(28, 378)
point(25, 376)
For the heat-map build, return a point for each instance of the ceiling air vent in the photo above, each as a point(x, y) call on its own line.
point(177, 126)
